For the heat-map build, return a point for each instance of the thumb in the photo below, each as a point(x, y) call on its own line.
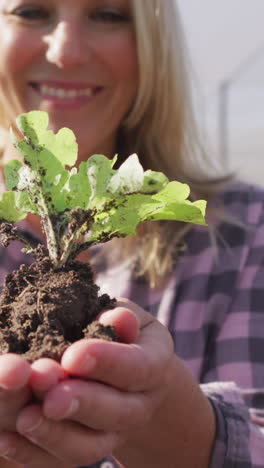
point(125, 321)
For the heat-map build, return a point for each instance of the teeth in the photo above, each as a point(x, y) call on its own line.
point(64, 93)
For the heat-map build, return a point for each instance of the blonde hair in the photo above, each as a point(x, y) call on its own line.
point(161, 128)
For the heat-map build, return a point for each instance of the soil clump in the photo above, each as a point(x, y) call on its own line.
point(43, 310)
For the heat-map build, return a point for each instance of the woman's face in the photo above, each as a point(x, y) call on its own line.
point(75, 59)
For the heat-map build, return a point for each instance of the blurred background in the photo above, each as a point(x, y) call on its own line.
point(226, 44)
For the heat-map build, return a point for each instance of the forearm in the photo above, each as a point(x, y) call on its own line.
point(182, 431)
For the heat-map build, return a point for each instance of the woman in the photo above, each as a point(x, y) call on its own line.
point(184, 387)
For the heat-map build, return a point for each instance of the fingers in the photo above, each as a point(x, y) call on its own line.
point(65, 440)
point(45, 374)
point(14, 391)
point(15, 448)
point(125, 322)
point(14, 372)
point(96, 406)
point(129, 367)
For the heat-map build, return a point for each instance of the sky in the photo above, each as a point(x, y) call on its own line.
point(222, 34)
point(226, 42)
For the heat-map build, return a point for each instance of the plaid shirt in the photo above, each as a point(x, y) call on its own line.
point(213, 305)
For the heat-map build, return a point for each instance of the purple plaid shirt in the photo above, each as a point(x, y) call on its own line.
point(213, 305)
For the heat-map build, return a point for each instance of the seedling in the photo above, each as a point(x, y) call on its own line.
point(80, 207)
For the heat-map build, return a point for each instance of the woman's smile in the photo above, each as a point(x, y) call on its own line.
point(65, 94)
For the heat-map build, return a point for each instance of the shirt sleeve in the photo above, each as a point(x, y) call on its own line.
point(234, 382)
point(239, 439)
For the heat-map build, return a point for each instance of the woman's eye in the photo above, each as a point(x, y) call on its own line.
point(109, 16)
point(31, 13)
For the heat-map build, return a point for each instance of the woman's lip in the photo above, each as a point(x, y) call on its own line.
point(70, 97)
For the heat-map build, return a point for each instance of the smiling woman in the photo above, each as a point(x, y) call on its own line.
point(76, 60)
point(184, 385)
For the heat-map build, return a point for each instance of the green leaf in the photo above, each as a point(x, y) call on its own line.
point(46, 155)
point(99, 171)
point(121, 216)
point(172, 204)
point(33, 124)
point(185, 211)
point(8, 210)
point(79, 188)
point(107, 183)
point(11, 172)
point(154, 181)
point(62, 145)
point(129, 178)
point(174, 191)
point(23, 202)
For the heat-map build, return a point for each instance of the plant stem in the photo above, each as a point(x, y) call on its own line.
point(70, 246)
point(52, 243)
point(67, 250)
point(80, 223)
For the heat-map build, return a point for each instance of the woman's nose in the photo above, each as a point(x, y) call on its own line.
point(65, 46)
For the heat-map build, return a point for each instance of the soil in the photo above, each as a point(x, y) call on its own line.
point(43, 310)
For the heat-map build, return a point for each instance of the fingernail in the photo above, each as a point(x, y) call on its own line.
point(76, 361)
point(11, 387)
point(88, 363)
point(73, 408)
point(5, 387)
point(107, 317)
point(29, 424)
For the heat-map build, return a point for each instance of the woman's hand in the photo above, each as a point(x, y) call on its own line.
point(132, 399)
